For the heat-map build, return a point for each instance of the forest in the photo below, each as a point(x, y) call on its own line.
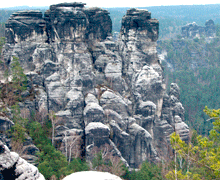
point(194, 64)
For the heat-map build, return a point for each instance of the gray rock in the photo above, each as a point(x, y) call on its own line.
point(174, 90)
point(181, 128)
point(14, 167)
point(192, 30)
point(97, 133)
point(113, 101)
point(93, 112)
point(5, 124)
point(114, 91)
point(26, 26)
point(30, 150)
point(90, 98)
point(141, 148)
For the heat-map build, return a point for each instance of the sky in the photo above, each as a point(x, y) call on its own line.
point(107, 3)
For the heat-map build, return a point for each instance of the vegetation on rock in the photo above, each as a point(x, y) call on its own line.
point(193, 64)
point(199, 158)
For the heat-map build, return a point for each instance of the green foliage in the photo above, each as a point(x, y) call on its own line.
point(104, 160)
point(203, 157)
point(18, 130)
point(10, 92)
point(148, 171)
point(51, 161)
point(17, 133)
point(38, 134)
point(19, 79)
point(172, 18)
point(15, 110)
point(98, 160)
point(172, 176)
point(194, 65)
point(76, 165)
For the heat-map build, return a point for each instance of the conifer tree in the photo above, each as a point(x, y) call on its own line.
point(19, 79)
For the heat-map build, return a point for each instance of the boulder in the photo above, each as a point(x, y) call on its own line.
point(5, 124)
point(26, 26)
point(14, 167)
point(97, 134)
point(93, 112)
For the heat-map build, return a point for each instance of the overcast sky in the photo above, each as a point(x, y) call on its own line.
point(107, 3)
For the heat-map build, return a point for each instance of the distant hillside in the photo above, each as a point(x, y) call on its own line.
point(172, 18)
point(195, 66)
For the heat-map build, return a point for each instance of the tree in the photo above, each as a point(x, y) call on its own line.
point(11, 90)
point(18, 130)
point(52, 117)
point(203, 156)
point(103, 159)
point(51, 162)
point(147, 171)
point(19, 79)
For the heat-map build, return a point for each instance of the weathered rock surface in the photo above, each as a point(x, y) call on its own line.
point(105, 92)
point(192, 30)
point(28, 151)
point(14, 167)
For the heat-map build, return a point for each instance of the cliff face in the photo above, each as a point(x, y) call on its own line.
point(108, 93)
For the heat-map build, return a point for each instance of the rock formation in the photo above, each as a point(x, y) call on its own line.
point(28, 151)
point(105, 92)
point(14, 167)
point(192, 30)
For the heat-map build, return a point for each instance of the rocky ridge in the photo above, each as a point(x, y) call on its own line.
point(192, 30)
point(105, 92)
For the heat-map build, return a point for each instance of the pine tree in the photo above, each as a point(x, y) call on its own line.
point(19, 79)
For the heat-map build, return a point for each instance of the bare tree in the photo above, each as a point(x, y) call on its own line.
point(52, 117)
point(71, 143)
point(109, 162)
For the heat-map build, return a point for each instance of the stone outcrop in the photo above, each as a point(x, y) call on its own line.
point(28, 151)
point(14, 167)
point(192, 30)
point(5, 125)
point(104, 92)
